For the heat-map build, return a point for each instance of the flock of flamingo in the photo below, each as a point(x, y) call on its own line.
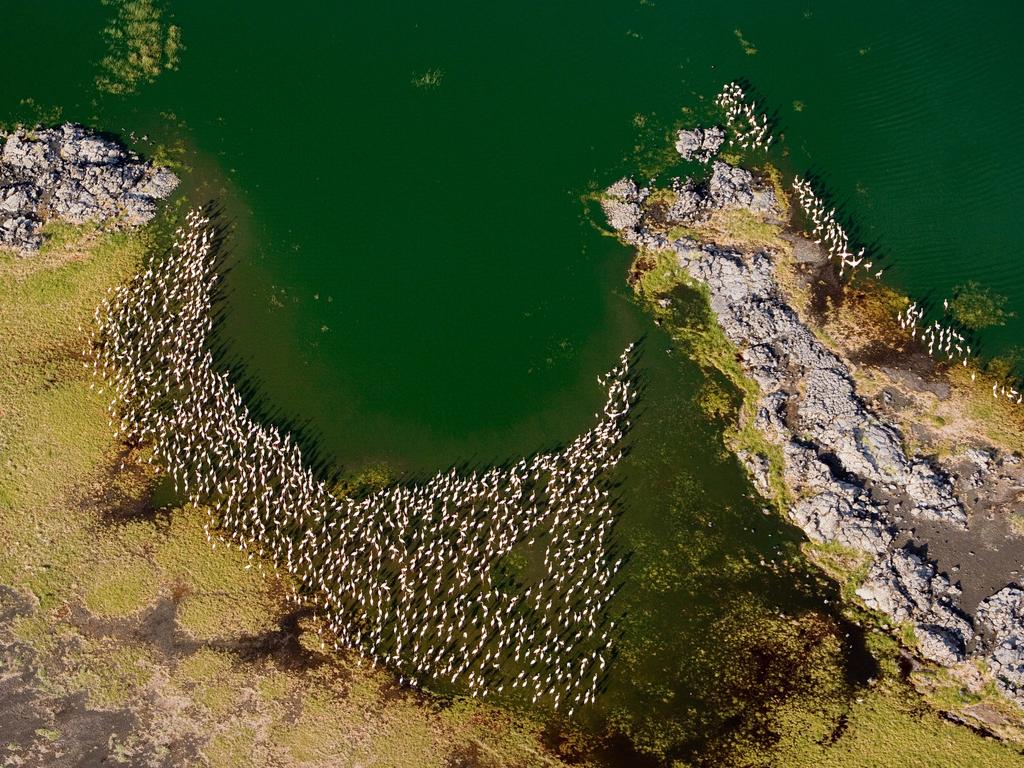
point(749, 130)
point(496, 581)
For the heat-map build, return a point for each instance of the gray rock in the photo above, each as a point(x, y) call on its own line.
point(805, 470)
point(690, 204)
point(625, 204)
point(1000, 618)
point(930, 488)
point(905, 587)
point(733, 187)
point(72, 174)
point(939, 644)
point(982, 458)
point(622, 205)
point(842, 518)
point(700, 144)
point(1002, 614)
point(771, 419)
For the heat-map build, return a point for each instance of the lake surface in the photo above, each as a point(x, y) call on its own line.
point(419, 281)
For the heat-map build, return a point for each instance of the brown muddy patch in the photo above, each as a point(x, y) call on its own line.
point(157, 629)
point(43, 726)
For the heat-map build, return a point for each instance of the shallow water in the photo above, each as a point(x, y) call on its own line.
point(419, 282)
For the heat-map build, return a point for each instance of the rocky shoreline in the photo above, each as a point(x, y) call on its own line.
point(72, 174)
point(852, 481)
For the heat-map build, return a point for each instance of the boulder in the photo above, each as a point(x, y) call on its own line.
point(733, 187)
point(700, 144)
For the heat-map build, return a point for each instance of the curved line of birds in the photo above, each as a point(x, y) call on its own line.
point(420, 577)
point(943, 339)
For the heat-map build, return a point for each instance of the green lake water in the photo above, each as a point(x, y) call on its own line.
point(417, 279)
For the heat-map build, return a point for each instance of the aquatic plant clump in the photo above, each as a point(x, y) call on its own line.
point(141, 45)
point(428, 80)
point(486, 580)
point(977, 306)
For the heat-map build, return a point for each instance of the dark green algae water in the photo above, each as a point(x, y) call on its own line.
point(418, 281)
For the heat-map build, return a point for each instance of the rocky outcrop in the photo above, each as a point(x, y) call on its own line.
point(74, 175)
point(731, 187)
point(700, 144)
point(845, 464)
point(641, 223)
point(623, 206)
point(1001, 618)
point(904, 586)
point(817, 398)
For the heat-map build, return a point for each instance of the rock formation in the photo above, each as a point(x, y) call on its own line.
point(699, 144)
point(74, 175)
point(852, 480)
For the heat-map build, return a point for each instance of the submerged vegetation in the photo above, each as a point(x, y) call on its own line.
point(429, 80)
point(746, 45)
point(367, 481)
point(141, 43)
point(664, 284)
point(976, 306)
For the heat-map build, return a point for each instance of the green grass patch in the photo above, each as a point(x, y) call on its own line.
point(847, 566)
point(739, 228)
point(221, 593)
point(59, 236)
point(111, 674)
point(683, 232)
point(211, 680)
point(887, 727)
point(122, 588)
point(232, 747)
point(773, 176)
